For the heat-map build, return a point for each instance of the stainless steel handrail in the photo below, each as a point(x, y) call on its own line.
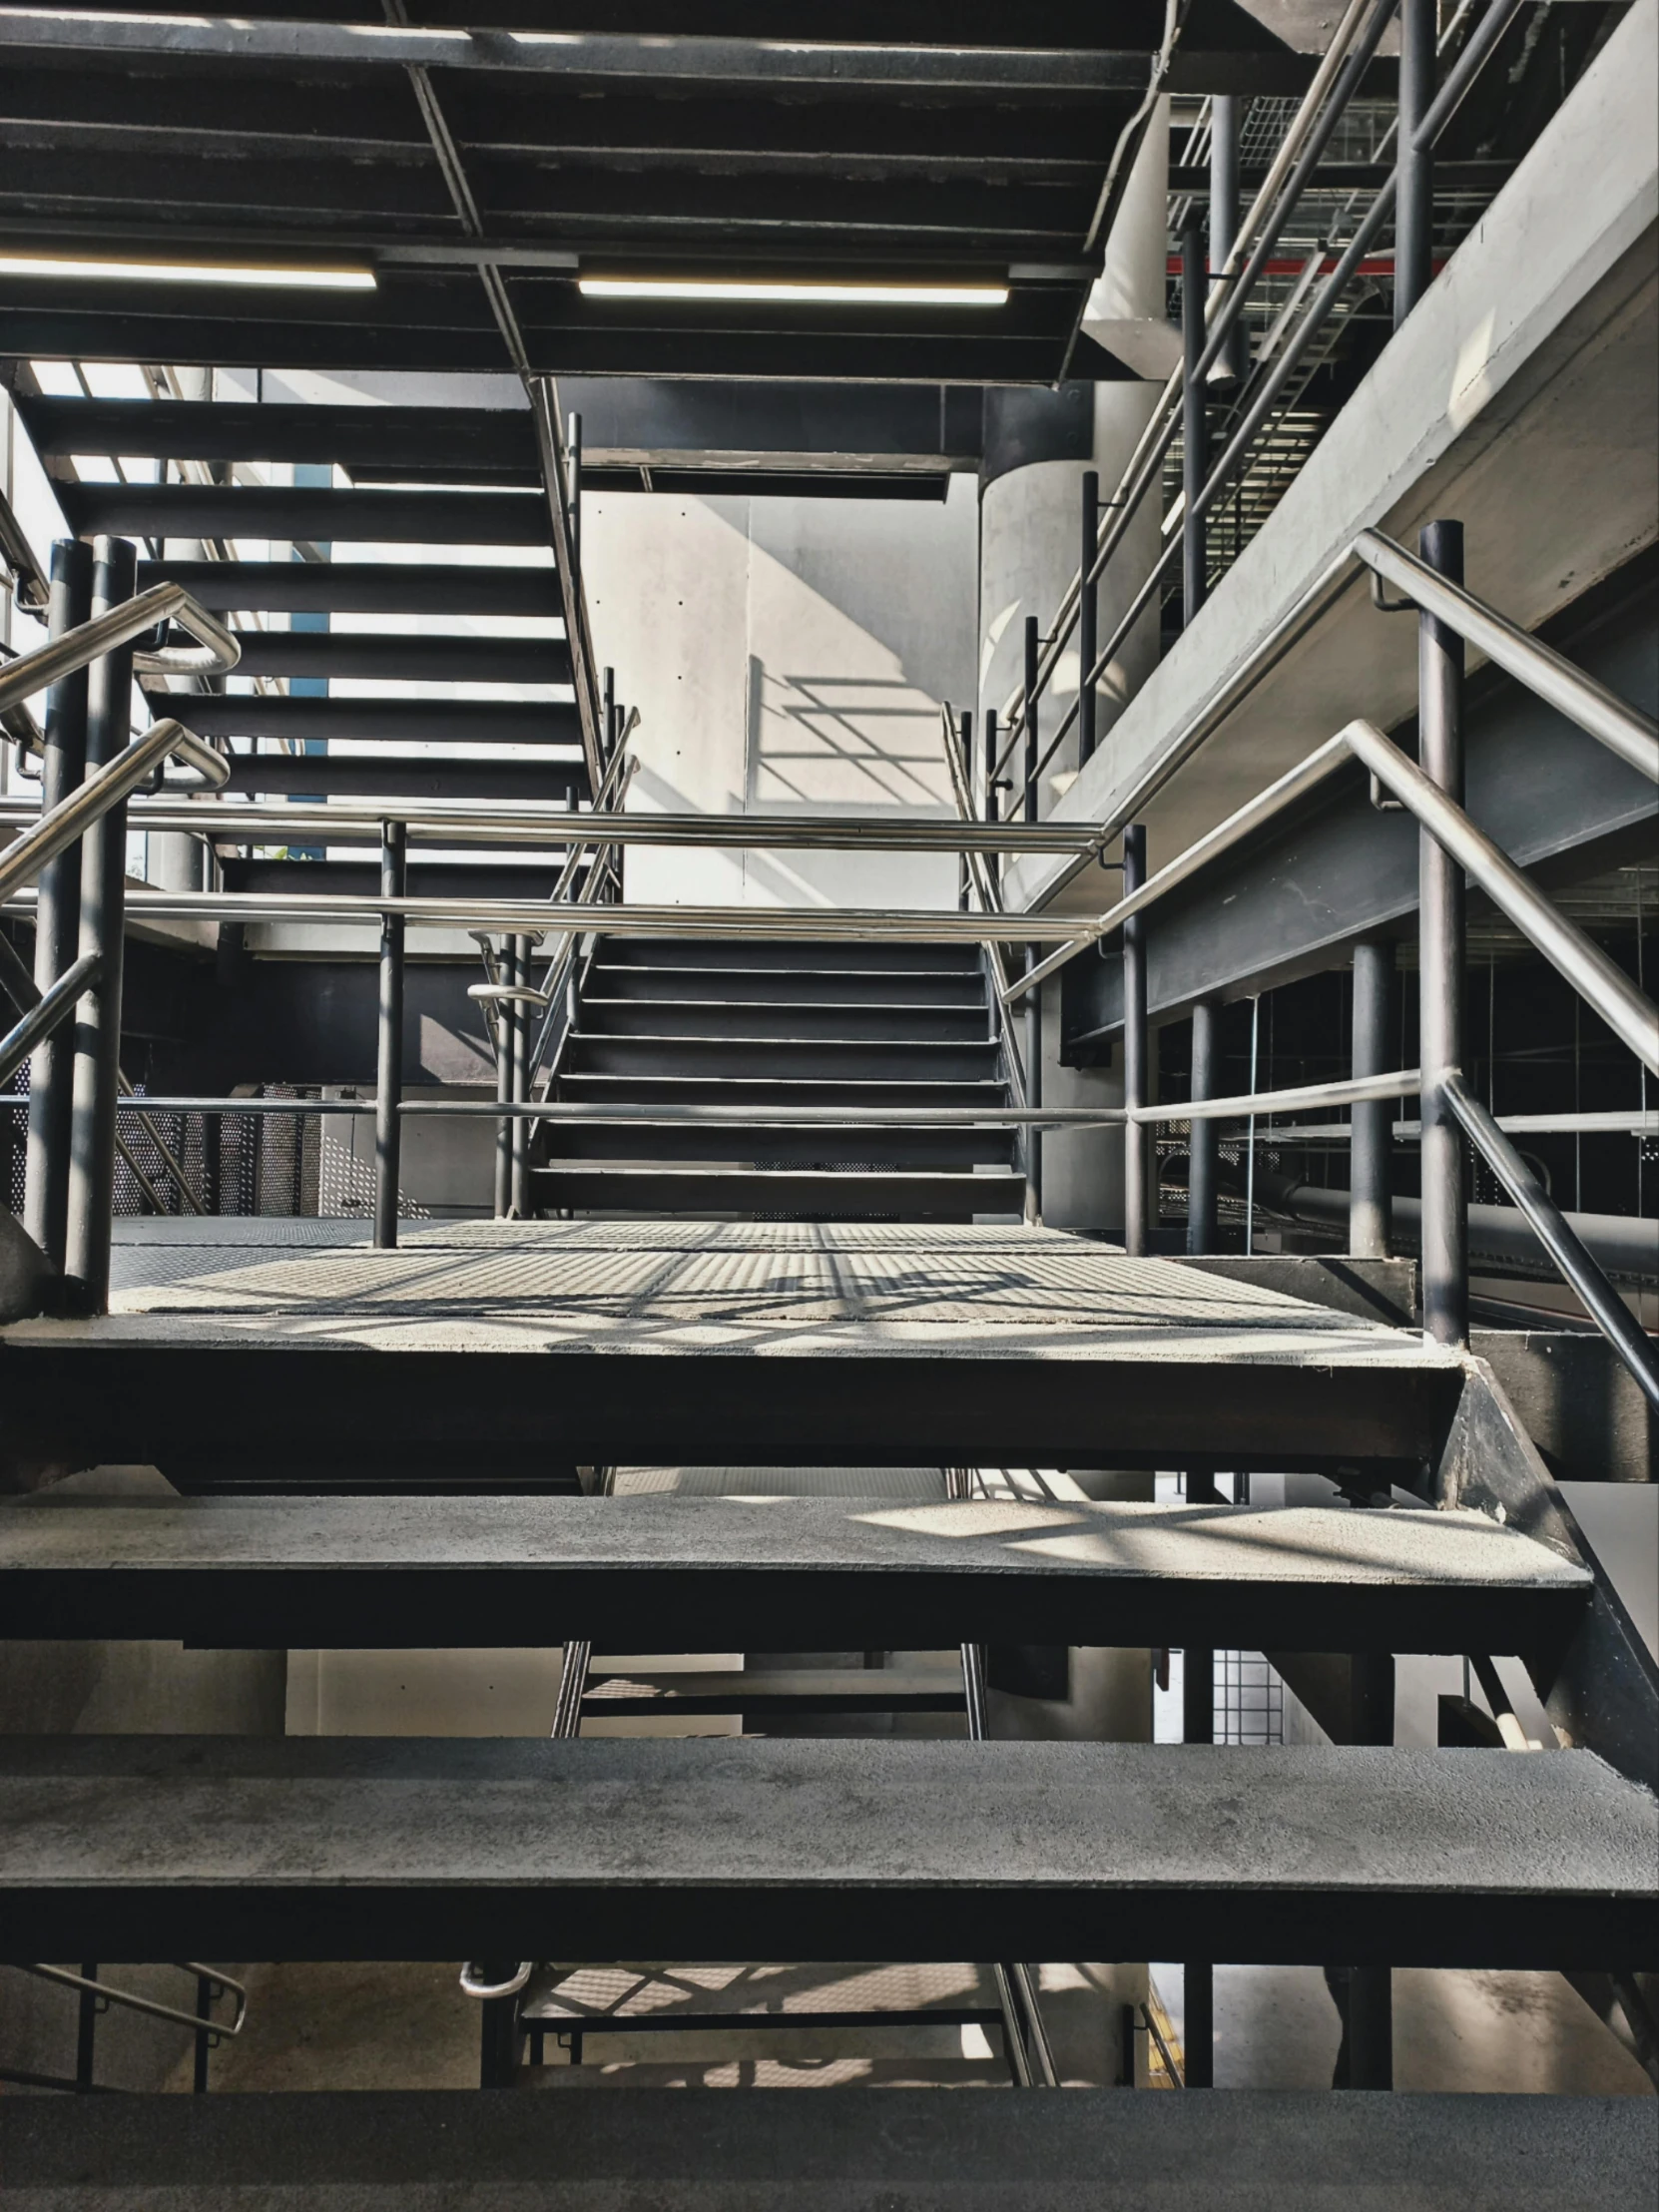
point(1632, 1017)
point(232, 823)
point(216, 653)
point(50, 1008)
point(1354, 1091)
point(131, 2001)
point(1623, 729)
point(798, 924)
point(1597, 1296)
point(56, 831)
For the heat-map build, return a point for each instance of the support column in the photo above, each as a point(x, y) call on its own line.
point(97, 1080)
point(1198, 1725)
point(1415, 204)
point(1195, 424)
point(1088, 616)
point(1371, 2052)
point(1441, 960)
point(1035, 1088)
point(1203, 1150)
point(388, 1072)
point(1371, 1179)
point(521, 1081)
point(1137, 1208)
point(1033, 717)
point(58, 917)
point(1225, 117)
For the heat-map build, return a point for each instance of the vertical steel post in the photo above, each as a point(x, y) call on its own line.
point(58, 915)
point(608, 685)
point(574, 490)
point(388, 1071)
point(1198, 1725)
point(1088, 618)
point(1195, 422)
point(1371, 1150)
point(1225, 119)
point(97, 1081)
point(1202, 1145)
point(1371, 2054)
point(1033, 639)
point(1413, 165)
point(1136, 1148)
point(501, 1031)
point(1440, 960)
point(964, 875)
point(994, 812)
point(1034, 1089)
point(521, 1081)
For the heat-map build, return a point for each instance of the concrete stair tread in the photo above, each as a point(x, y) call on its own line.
point(666, 1996)
point(1090, 2150)
point(400, 1848)
point(363, 1572)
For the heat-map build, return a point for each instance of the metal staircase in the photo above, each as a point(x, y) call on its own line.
point(753, 1027)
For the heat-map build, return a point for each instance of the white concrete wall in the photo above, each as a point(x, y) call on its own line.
point(787, 656)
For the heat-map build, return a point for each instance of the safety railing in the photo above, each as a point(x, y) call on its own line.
point(216, 653)
point(66, 824)
point(1214, 303)
point(97, 1996)
point(561, 475)
point(1455, 852)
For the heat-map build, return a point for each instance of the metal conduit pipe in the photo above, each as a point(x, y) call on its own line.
point(1622, 1246)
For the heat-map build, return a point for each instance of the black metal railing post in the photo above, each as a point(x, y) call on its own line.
point(1035, 1088)
point(1444, 1223)
point(1371, 1147)
point(993, 811)
point(1198, 1725)
point(1415, 163)
point(1033, 644)
point(1203, 1143)
point(1088, 618)
point(58, 917)
point(1195, 422)
point(521, 1079)
point(504, 1030)
point(1136, 1142)
point(97, 1079)
point(1371, 2014)
point(610, 718)
point(964, 875)
point(1225, 117)
point(388, 1071)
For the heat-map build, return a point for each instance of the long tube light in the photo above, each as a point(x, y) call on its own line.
point(188, 273)
point(828, 294)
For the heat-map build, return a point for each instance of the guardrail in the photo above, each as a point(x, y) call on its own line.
point(1212, 312)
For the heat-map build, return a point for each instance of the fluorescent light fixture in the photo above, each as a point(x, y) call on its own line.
point(186, 272)
point(830, 294)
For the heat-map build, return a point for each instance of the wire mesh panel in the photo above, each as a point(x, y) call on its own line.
point(1249, 1699)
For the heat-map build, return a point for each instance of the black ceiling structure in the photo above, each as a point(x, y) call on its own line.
point(480, 172)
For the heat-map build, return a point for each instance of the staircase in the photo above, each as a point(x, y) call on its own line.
point(472, 616)
point(757, 1027)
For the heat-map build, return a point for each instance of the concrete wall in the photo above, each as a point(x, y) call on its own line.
point(787, 656)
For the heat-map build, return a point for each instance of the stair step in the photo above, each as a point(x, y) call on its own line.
point(791, 1021)
point(263, 511)
point(822, 985)
point(856, 1191)
point(384, 720)
point(351, 655)
point(579, 1085)
point(419, 776)
point(338, 2152)
point(759, 1693)
point(498, 439)
point(808, 1574)
point(362, 587)
point(891, 1146)
point(763, 1997)
point(361, 879)
point(914, 1059)
point(759, 952)
point(112, 1847)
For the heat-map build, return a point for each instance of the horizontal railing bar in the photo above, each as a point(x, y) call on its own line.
point(1623, 729)
point(1597, 1296)
point(1248, 818)
point(22, 860)
point(1632, 1017)
point(570, 1113)
point(1514, 1125)
point(231, 823)
point(53, 1007)
point(217, 653)
point(798, 924)
point(1351, 1091)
